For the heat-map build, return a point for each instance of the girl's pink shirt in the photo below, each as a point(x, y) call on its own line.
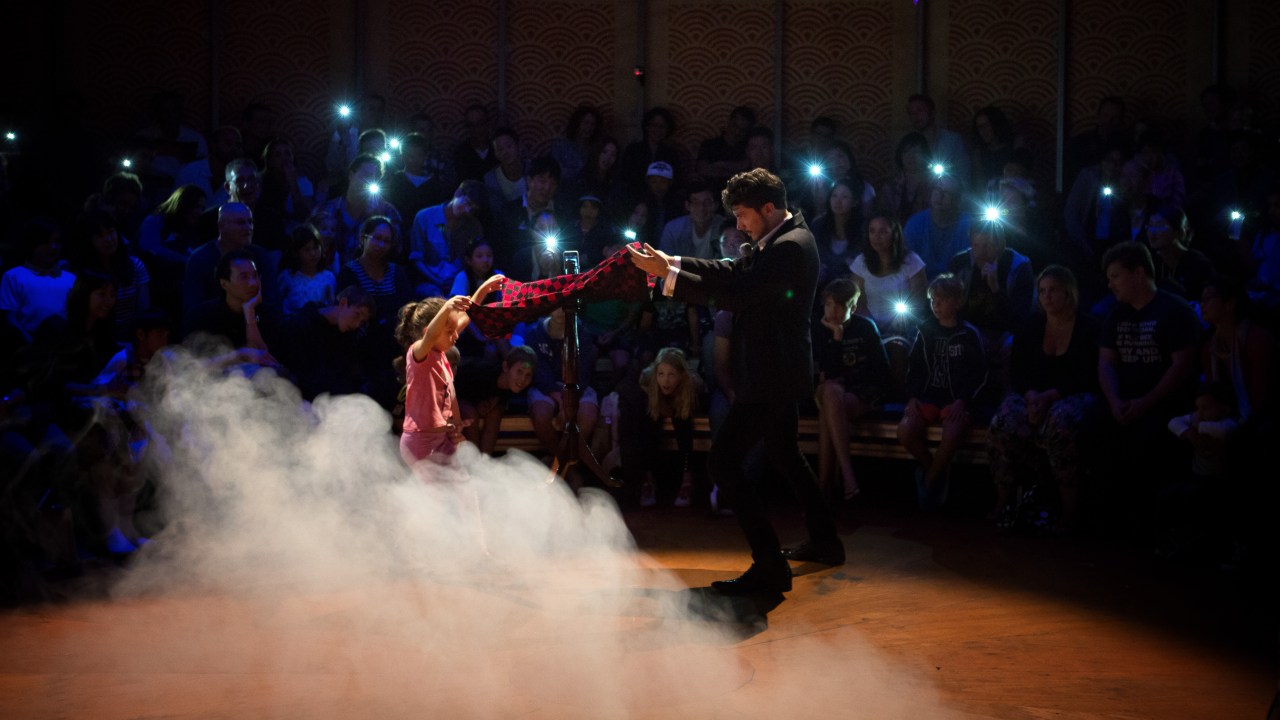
point(429, 395)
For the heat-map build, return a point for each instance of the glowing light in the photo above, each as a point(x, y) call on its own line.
point(939, 169)
point(393, 143)
point(344, 111)
point(552, 242)
point(901, 307)
point(384, 156)
point(373, 188)
point(11, 136)
point(629, 234)
point(815, 170)
point(127, 163)
point(1106, 190)
point(991, 213)
point(1236, 215)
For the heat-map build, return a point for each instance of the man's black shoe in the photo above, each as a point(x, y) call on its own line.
point(756, 580)
point(828, 553)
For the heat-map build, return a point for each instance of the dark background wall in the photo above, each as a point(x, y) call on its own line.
point(80, 73)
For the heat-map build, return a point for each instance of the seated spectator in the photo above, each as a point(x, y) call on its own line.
point(438, 237)
point(1110, 130)
point(485, 390)
point(993, 140)
point(910, 190)
point(599, 176)
point(1166, 182)
point(546, 394)
point(659, 127)
point(668, 322)
point(520, 239)
point(838, 231)
point(836, 162)
point(95, 245)
point(696, 234)
point(168, 141)
point(1092, 213)
point(238, 314)
point(613, 325)
point(303, 279)
point(666, 390)
point(386, 282)
point(320, 343)
point(434, 164)
point(474, 154)
point(418, 185)
point(853, 372)
point(166, 239)
point(589, 233)
point(937, 234)
point(1179, 268)
point(37, 289)
point(723, 156)
point(122, 196)
point(226, 146)
point(477, 268)
point(1260, 255)
point(1240, 352)
point(543, 255)
point(506, 182)
point(664, 204)
point(999, 290)
point(888, 274)
point(759, 150)
point(945, 373)
point(235, 232)
point(327, 230)
point(285, 191)
point(1146, 370)
point(244, 186)
point(945, 145)
point(1053, 400)
point(1195, 510)
point(581, 134)
point(361, 201)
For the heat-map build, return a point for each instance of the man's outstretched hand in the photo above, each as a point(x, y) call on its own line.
point(650, 260)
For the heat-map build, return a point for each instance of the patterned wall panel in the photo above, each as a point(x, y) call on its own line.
point(838, 64)
point(1136, 50)
point(561, 56)
point(443, 58)
point(277, 53)
point(1264, 63)
point(1004, 53)
point(720, 55)
point(120, 54)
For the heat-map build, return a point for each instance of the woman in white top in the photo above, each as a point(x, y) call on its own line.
point(888, 274)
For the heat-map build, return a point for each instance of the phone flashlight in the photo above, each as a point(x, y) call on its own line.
point(939, 169)
point(11, 136)
point(552, 242)
point(1107, 191)
point(901, 307)
point(991, 213)
point(629, 234)
point(373, 188)
point(384, 156)
point(126, 163)
point(344, 111)
point(815, 170)
point(1237, 224)
point(393, 143)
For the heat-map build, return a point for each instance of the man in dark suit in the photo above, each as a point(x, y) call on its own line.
point(770, 292)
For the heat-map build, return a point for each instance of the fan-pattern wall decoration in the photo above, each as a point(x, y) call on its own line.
point(839, 63)
point(1264, 63)
point(277, 53)
point(121, 54)
point(1004, 53)
point(443, 58)
point(561, 56)
point(1136, 50)
point(721, 55)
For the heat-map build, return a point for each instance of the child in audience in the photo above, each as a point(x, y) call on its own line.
point(666, 390)
point(945, 372)
point(1193, 511)
point(486, 387)
point(303, 278)
point(853, 371)
point(477, 267)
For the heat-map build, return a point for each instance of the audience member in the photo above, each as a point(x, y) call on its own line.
point(37, 289)
point(1053, 400)
point(853, 372)
point(725, 155)
point(520, 238)
point(505, 181)
point(238, 315)
point(1087, 148)
point(226, 146)
point(937, 234)
point(95, 245)
point(589, 233)
point(581, 133)
point(474, 155)
point(909, 192)
point(999, 289)
point(658, 125)
point(320, 343)
point(303, 279)
point(361, 201)
point(546, 394)
point(945, 373)
point(244, 187)
point(477, 268)
point(667, 390)
point(945, 146)
point(696, 234)
point(235, 232)
point(599, 174)
point(436, 240)
point(418, 185)
point(485, 391)
point(993, 139)
point(1178, 268)
point(285, 192)
point(838, 230)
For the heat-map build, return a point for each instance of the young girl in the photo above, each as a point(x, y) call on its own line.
point(477, 267)
point(428, 329)
point(666, 390)
point(303, 278)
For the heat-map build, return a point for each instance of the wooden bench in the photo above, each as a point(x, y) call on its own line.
point(872, 438)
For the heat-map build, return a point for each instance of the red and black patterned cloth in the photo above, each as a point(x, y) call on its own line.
point(615, 278)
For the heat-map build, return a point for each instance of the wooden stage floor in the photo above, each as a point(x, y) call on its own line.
point(937, 617)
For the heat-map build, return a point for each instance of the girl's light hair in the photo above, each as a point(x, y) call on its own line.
point(684, 396)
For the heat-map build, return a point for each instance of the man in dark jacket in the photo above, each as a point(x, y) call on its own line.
point(770, 292)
